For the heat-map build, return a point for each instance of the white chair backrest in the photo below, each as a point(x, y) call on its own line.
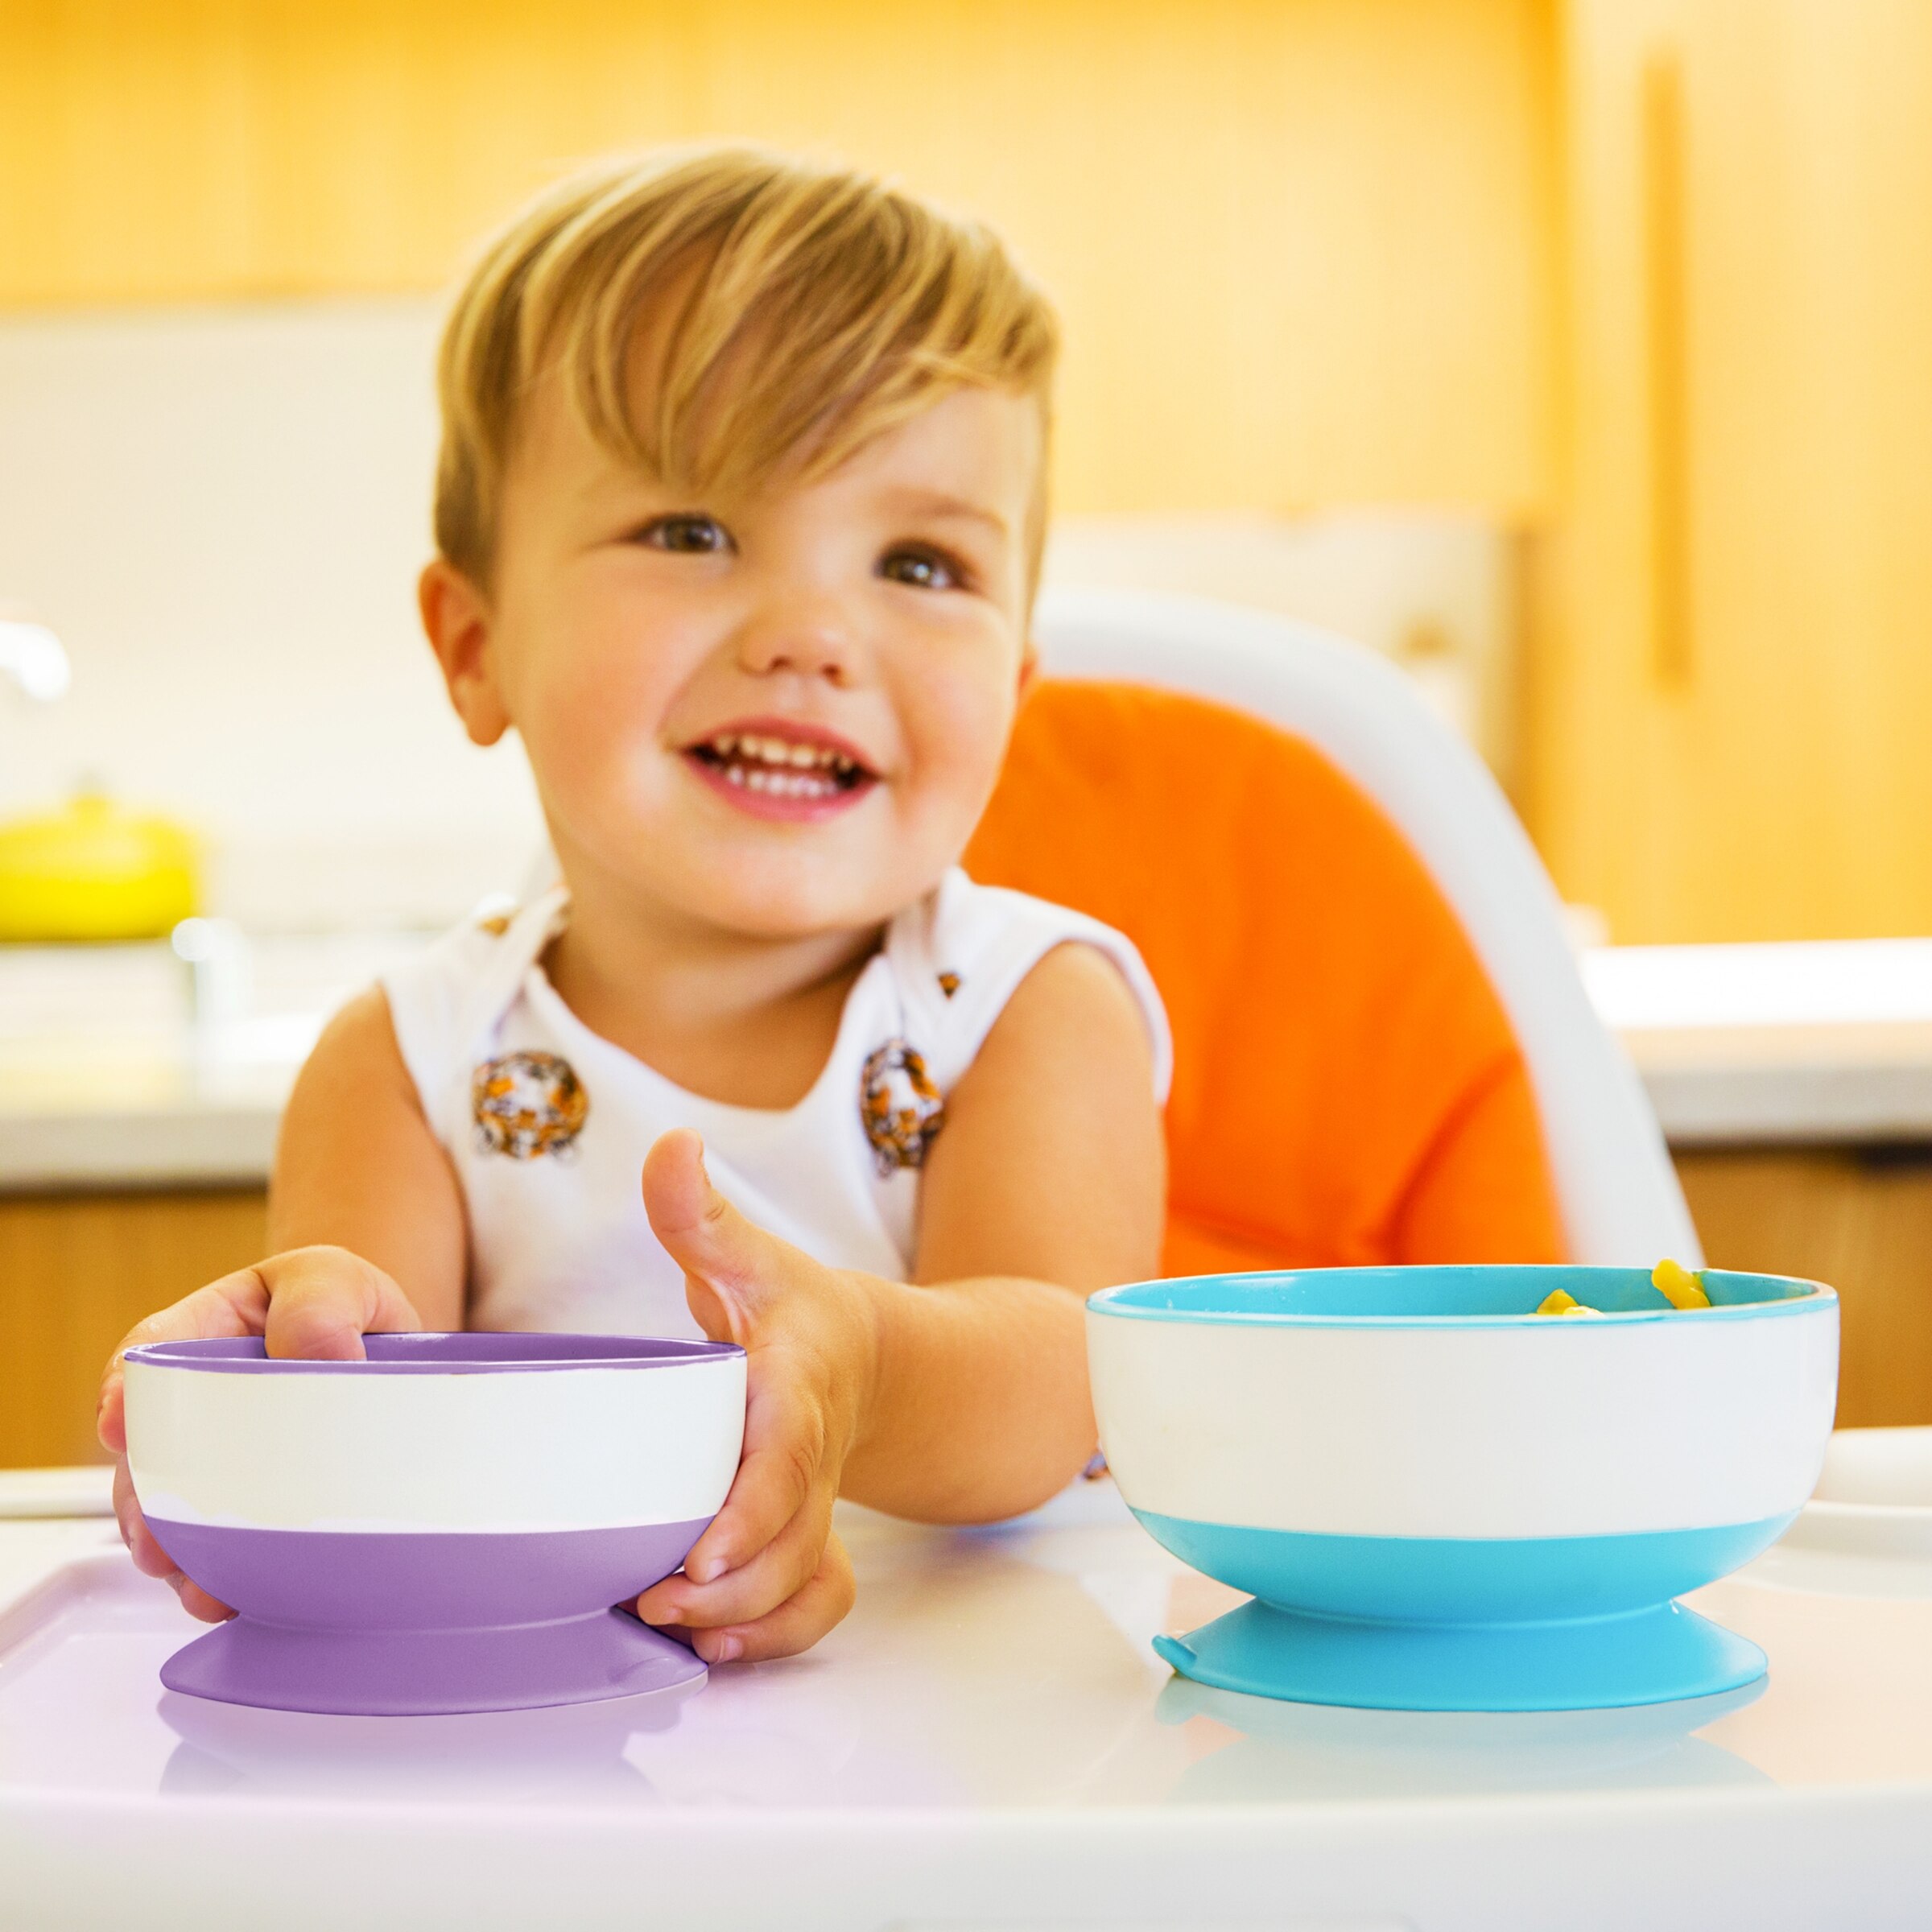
point(1620, 1200)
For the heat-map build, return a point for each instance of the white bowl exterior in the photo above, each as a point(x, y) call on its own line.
point(1555, 1428)
point(590, 1448)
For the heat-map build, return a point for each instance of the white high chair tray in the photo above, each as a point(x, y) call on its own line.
point(987, 1741)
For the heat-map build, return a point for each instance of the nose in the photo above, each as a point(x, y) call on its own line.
point(815, 638)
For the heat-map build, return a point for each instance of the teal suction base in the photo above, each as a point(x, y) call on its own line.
point(1643, 1657)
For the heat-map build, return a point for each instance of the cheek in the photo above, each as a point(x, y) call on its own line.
point(957, 720)
point(594, 696)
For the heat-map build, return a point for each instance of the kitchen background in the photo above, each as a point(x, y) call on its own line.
point(1573, 351)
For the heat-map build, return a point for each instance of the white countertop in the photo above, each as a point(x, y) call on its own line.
point(987, 1741)
point(105, 1081)
point(1819, 1042)
point(108, 1078)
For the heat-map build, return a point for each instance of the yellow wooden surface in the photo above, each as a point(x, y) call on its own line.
point(1732, 696)
point(77, 1272)
point(1304, 247)
point(1863, 1225)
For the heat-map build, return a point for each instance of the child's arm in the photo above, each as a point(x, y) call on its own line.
point(366, 1226)
point(1048, 1181)
point(962, 1397)
point(358, 1167)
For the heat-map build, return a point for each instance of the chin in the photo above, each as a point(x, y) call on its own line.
point(793, 916)
point(787, 901)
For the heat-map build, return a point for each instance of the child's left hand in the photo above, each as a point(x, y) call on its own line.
point(768, 1577)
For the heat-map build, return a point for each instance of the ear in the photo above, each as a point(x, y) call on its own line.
point(456, 619)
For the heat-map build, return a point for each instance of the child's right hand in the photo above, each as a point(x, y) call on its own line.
point(315, 1302)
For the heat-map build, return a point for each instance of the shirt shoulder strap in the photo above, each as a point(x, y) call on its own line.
point(958, 955)
point(448, 999)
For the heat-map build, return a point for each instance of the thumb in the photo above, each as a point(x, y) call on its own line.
point(726, 1259)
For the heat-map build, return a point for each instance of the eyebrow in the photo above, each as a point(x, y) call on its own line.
point(937, 504)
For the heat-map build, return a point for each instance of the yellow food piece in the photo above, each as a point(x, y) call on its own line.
point(1558, 1302)
point(1678, 1286)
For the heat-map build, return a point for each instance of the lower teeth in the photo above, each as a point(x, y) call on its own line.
point(786, 785)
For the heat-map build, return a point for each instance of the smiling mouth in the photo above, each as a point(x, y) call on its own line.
point(808, 770)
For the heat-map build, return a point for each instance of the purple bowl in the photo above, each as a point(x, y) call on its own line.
point(444, 1527)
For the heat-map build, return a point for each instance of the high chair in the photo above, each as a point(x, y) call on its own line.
point(1383, 1049)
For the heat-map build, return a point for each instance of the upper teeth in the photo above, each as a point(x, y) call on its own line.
point(781, 752)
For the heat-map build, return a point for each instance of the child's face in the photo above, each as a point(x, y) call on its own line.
point(779, 714)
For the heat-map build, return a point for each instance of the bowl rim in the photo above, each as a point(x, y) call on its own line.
point(440, 1352)
point(1811, 1298)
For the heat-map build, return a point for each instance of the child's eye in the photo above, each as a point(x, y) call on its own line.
point(928, 569)
point(686, 534)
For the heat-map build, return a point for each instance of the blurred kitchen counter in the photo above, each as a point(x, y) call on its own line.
point(124, 1067)
point(128, 1066)
point(1818, 1043)
point(139, 1099)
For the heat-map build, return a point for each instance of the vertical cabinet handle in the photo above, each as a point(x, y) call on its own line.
point(1671, 657)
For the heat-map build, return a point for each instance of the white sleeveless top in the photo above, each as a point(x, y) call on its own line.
point(547, 1124)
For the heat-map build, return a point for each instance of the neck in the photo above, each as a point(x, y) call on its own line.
point(733, 1015)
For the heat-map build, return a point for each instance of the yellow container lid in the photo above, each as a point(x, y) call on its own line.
point(93, 871)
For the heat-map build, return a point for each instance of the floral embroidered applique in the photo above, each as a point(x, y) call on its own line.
point(526, 1104)
point(899, 1107)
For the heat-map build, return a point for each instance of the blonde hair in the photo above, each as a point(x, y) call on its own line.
point(790, 312)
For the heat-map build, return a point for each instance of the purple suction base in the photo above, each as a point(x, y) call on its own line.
point(427, 1672)
point(375, 1625)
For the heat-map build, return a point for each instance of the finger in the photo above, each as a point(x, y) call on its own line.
point(236, 1305)
point(782, 1464)
point(197, 1603)
point(322, 1301)
point(778, 1571)
point(726, 1259)
point(150, 1559)
point(796, 1624)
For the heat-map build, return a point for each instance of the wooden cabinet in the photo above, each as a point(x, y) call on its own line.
point(77, 1272)
point(1304, 247)
point(1732, 688)
point(1859, 1218)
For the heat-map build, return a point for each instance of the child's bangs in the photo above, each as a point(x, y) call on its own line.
point(819, 321)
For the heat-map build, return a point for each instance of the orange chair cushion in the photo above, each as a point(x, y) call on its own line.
point(1347, 1089)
